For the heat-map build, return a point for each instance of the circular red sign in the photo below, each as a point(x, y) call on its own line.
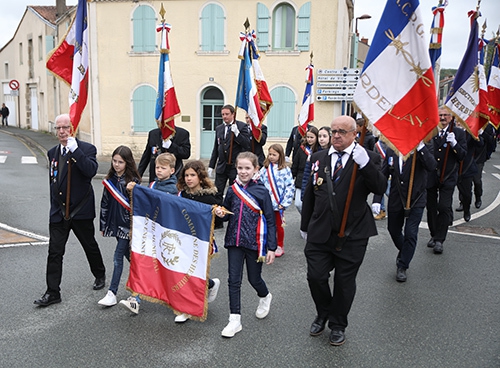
point(14, 84)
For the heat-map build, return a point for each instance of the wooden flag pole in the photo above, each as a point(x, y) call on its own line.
point(412, 177)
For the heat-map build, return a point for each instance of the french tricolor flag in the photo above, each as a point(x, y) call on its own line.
point(170, 250)
point(494, 88)
point(468, 97)
point(70, 62)
point(306, 114)
point(396, 91)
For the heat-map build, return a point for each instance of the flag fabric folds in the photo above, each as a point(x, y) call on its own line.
point(70, 63)
point(167, 107)
point(437, 35)
point(306, 114)
point(406, 111)
point(252, 94)
point(170, 250)
point(494, 88)
point(467, 99)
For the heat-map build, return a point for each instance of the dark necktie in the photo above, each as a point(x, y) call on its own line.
point(64, 151)
point(338, 167)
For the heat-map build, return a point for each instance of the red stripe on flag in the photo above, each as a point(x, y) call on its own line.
point(61, 62)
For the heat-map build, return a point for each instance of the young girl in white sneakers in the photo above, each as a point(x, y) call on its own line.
point(278, 179)
point(250, 237)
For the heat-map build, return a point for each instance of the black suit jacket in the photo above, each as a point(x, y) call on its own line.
point(180, 148)
point(320, 221)
point(258, 147)
point(220, 152)
point(83, 169)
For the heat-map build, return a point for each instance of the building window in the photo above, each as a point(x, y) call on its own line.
point(20, 53)
point(6, 70)
point(212, 28)
point(284, 27)
point(40, 48)
point(144, 26)
point(143, 106)
point(281, 117)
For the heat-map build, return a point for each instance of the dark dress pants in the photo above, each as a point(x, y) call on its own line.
point(404, 233)
point(439, 212)
point(321, 260)
point(221, 179)
point(59, 233)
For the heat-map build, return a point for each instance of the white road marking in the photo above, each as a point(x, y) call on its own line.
point(42, 240)
point(3, 159)
point(28, 160)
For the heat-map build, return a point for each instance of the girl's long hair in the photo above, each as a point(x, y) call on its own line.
point(200, 170)
point(131, 173)
point(281, 160)
point(313, 130)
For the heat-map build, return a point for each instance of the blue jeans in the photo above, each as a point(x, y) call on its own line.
point(236, 257)
point(405, 240)
point(122, 250)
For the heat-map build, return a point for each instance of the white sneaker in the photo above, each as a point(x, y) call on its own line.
point(109, 300)
point(212, 293)
point(181, 318)
point(233, 326)
point(131, 304)
point(264, 306)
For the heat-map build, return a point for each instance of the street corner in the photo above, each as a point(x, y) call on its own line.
point(11, 237)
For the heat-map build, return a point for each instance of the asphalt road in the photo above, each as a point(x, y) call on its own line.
point(445, 315)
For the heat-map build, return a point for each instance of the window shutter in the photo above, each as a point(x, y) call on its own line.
point(281, 118)
point(262, 27)
point(144, 101)
point(304, 23)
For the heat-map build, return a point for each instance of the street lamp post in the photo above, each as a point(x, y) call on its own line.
point(355, 41)
point(364, 16)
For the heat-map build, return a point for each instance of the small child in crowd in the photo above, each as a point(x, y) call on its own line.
point(252, 210)
point(277, 177)
point(195, 184)
point(115, 213)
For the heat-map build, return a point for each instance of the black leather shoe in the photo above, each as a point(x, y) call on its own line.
point(431, 243)
point(99, 283)
point(337, 337)
point(438, 248)
point(467, 216)
point(401, 275)
point(47, 299)
point(317, 326)
point(460, 208)
point(478, 203)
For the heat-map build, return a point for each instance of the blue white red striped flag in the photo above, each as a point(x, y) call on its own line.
point(170, 250)
point(167, 107)
point(252, 94)
point(70, 63)
point(396, 91)
point(437, 35)
point(494, 88)
point(306, 114)
point(468, 96)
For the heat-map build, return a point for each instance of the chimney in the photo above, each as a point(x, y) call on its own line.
point(60, 8)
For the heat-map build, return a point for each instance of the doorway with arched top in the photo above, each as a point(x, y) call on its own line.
point(212, 101)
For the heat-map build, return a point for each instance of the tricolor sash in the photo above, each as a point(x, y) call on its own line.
point(307, 150)
point(120, 198)
point(261, 235)
point(275, 191)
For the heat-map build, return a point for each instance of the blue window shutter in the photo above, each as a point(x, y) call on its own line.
point(281, 118)
point(212, 28)
point(205, 28)
point(49, 44)
point(144, 23)
point(304, 24)
point(219, 20)
point(143, 104)
point(262, 27)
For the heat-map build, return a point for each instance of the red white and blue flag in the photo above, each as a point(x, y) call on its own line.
point(437, 35)
point(468, 96)
point(70, 62)
point(403, 112)
point(167, 107)
point(494, 88)
point(306, 114)
point(252, 94)
point(170, 250)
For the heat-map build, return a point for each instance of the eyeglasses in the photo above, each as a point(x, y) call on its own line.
point(66, 127)
point(440, 115)
point(342, 132)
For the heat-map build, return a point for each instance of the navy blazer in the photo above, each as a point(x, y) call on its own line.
point(220, 152)
point(258, 147)
point(83, 169)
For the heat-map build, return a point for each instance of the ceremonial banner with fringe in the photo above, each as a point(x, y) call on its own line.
point(435, 43)
point(306, 114)
point(70, 63)
point(494, 88)
point(167, 107)
point(468, 97)
point(405, 112)
point(170, 250)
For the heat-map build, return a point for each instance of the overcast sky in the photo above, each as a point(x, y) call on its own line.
point(456, 27)
point(456, 31)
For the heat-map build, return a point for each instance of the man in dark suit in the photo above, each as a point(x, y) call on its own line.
point(293, 143)
point(80, 215)
point(441, 183)
point(403, 222)
point(255, 146)
point(231, 138)
point(179, 145)
point(322, 213)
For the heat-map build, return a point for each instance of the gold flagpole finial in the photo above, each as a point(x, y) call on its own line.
point(162, 13)
point(246, 25)
point(484, 29)
point(477, 8)
point(311, 57)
